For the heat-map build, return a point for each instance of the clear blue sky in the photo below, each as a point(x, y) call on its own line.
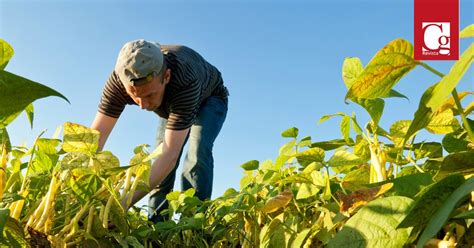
point(281, 61)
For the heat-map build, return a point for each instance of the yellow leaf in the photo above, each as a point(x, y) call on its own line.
point(467, 32)
point(450, 104)
point(443, 123)
point(78, 138)
point(361, 197)
point(385, 69)
point(278, 201)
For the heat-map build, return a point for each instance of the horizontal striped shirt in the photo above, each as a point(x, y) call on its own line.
point(193, 79)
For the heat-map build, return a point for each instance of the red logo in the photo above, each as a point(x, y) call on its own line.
point(436, 29)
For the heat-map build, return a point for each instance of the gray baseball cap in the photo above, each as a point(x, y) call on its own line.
point(138, 59)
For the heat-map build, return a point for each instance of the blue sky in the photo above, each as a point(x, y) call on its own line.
point(281, 61)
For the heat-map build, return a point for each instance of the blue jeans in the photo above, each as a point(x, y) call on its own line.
point(199, 163)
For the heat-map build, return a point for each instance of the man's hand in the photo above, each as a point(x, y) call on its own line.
point(163, 165)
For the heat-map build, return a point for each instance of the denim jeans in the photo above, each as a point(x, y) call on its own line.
point(199, 163)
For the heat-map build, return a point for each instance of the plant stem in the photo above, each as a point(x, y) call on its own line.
point(431, 69)
point(456, 100)
point(463, 116)
point(409, 158)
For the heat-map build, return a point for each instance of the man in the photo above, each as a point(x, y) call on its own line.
point(180, 86)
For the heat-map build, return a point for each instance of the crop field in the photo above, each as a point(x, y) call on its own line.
point(385, 186)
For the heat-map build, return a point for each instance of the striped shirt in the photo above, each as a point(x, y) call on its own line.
point(193, 79)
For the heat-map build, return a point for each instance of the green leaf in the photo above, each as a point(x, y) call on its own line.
point(467, 32)
point(346, 128)
point(327, 117)
point(342, 161)
point(268, 165)
point(398, 131)
point(351, 69)
point(462, 162)
point(84, 183)
point(6, 53)
point(442, 214)
point(301, 238)
point(456, 142)
point(48, 146)
point(142, 232)
point(5, 139)
point(288, 149)
point(356, 179)
point(104, 160)
point(318, 179)
point(290, 133)
point(443, 123)
point(46, 156)
point(393, 156)
point(373, 106)
point(4, 214)
point(7, 119)
point(431, 165)
point(361, 148)
point(394, 93)
point(327, 189)
point(71, 161)
point(332, 144)
point(16, 93)
point(43, 163)
point(277, 237)
point(305, 142)
point(250, 165)
point(118, 215)
point(13, 235)
point(409, 185)
point(30, 112)
point(314, 154)
point(78, 138)
point(465, 215)
point(119, 239)
point(247, 179)
point(268, 231)
point(173, 196)
point(194, 223)
point(374, 225)
point(429, 200)
point(436, 95)
point(355, 124)
point(140, 149)
point(427, 150)
point(10, 197)
point(107, 172)
point(133, 242)
point(14, 177)
point(189, 192)
point(165, 226)
point(385, 69)
point(306, 190)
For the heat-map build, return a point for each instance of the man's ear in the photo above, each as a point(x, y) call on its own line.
point(167, 76)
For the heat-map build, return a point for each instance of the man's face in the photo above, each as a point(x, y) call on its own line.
point(149, 96)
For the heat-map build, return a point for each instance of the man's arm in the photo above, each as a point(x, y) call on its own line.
point(164, 164)
point(104, 124)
